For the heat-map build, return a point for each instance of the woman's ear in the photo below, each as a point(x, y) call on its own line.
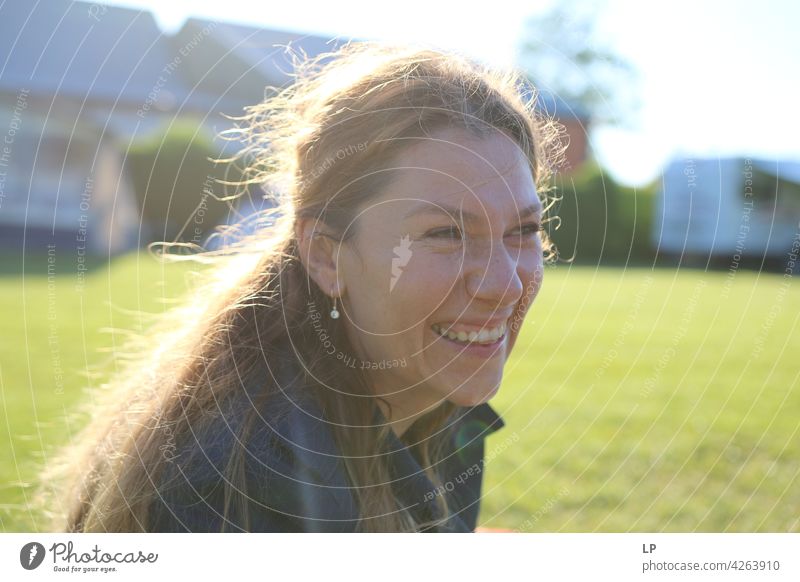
point(318, 249)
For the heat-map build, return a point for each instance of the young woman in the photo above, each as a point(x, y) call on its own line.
point(334, 371)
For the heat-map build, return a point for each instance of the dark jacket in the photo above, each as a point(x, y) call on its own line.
point(296, 480)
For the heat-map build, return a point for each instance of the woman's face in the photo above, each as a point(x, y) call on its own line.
point(450, 246)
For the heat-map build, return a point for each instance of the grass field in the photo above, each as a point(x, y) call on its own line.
point(636, 400)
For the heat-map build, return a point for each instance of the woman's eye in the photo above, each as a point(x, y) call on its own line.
point(530, 229)
point(453, 233)
point(449, 233)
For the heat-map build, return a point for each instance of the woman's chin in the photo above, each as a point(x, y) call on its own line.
point(469, 396)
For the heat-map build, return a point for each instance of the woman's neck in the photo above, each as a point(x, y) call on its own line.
point(402, 416)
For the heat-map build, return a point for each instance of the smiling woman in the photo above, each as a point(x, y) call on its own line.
point(333, 374)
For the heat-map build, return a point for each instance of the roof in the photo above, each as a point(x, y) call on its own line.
point(554, 105)
point(235, 63)
point(784, 170)
point(83, 50)
point(110, 53)
point(557, 107)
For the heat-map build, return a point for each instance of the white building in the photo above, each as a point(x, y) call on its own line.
point(718, 208)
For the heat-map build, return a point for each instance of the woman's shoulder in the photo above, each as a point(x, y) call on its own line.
point(482, 420)
point(471, 428)
point(293, 477)
point(462, 467)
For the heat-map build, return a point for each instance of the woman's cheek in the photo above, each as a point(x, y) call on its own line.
point(434, 275)
point(533, 284)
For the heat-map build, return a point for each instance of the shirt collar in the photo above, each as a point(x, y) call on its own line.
point(409, 480)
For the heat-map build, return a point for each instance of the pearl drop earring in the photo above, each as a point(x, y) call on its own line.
point(334, 311)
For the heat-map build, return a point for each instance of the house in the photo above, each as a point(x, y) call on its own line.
point(575, 120)
point(234, 63)
point(74, 76)
point(82, 83)
point(101, 79)
point(228, 67)
point(729, 210)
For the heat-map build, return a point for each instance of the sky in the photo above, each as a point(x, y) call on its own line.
point(715, 78)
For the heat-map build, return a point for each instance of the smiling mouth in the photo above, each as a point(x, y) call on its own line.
point(482, 337)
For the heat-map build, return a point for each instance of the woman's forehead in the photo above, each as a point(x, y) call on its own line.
point(454, 162)
point(458, 149)
point(437, 184)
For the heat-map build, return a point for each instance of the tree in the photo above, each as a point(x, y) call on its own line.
point(562, 55)
point(177, 183)
point(601, 221)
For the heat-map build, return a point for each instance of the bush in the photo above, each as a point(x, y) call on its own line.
point(601, 221)
point(176, 182)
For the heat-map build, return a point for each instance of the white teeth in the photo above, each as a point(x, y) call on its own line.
point(484, 336)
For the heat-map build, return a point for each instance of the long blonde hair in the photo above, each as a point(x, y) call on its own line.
point(327, 133)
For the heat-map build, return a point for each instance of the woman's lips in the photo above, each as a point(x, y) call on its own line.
point(475, 349)
point(490, 346)
point(464, 333)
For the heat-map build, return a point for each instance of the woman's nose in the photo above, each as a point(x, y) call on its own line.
point(491, 274)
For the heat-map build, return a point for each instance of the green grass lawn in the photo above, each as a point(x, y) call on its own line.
point(635, 400)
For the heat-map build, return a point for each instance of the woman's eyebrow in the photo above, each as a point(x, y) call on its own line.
point(453, 213)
